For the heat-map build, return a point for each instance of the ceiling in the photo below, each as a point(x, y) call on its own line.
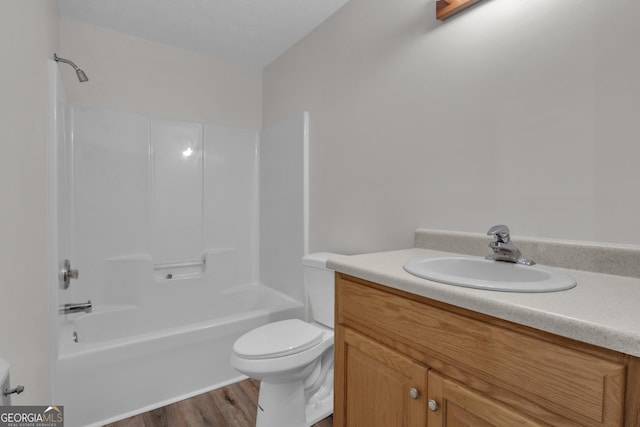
point(251, 32)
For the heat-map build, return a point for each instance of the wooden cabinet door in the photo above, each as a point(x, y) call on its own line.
point(376, 386)
point(453, 405)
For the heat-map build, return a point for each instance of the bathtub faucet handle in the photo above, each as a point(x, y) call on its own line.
point(66, 274)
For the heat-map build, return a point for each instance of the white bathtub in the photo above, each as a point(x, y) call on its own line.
point(129, 359)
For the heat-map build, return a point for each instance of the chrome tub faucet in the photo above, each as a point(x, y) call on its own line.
point(75, 308)
point(503, 249)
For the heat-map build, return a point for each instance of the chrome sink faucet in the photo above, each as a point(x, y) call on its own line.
point(503, 249)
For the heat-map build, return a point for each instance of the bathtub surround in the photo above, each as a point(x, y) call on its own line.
point(177, 170)
point(161, 218)
point(284, 203)
point(134, 194)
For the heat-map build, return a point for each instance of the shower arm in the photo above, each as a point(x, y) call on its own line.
point(66, 61)
point(82, 76)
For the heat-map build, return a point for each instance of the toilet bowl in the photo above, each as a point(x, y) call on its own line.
point(293, 359)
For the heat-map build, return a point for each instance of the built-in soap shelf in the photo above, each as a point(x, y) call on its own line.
point(179, 270)
point(124, 272)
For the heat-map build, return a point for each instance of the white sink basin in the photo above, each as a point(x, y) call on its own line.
point(480, 273)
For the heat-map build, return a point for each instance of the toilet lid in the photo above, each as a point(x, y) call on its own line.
point(278, 339)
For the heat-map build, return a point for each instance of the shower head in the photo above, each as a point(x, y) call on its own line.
point(82, 76)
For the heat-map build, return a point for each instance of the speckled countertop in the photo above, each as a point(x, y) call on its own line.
point(603, 309)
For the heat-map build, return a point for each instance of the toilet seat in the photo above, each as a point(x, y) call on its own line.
point(278, 339)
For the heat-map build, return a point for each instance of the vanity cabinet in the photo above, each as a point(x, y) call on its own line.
point(384, 387)
point(405, 360)
point(453, 404)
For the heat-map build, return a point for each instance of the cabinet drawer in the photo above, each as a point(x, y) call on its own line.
point(578, 385)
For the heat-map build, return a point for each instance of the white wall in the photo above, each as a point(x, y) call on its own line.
point(132, 74)
point(28, 37)
point(517, 112)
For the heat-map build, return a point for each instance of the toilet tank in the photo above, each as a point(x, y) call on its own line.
point(320, 284)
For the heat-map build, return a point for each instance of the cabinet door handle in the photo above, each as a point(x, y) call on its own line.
point(414, 393)
point(433, 405)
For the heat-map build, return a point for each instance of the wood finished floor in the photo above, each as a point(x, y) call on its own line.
point(231, 406)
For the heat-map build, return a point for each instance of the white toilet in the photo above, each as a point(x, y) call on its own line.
point(294, 359)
